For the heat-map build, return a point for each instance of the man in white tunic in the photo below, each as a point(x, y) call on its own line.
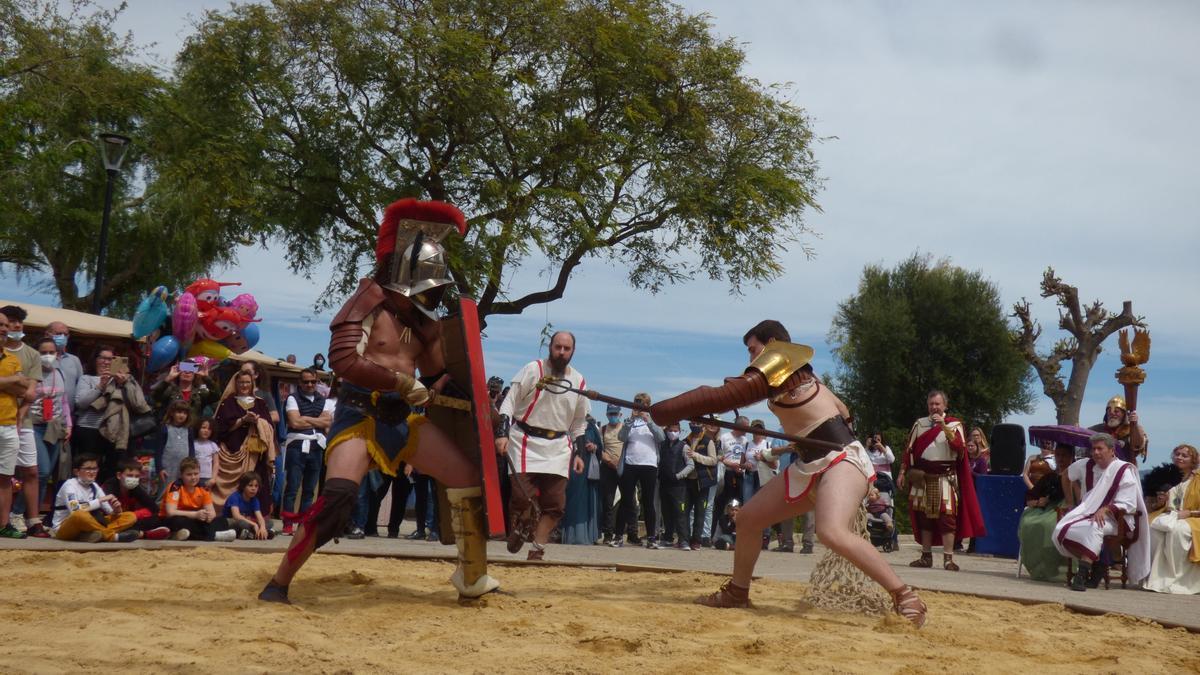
point(1115, 494)
point(540, 428)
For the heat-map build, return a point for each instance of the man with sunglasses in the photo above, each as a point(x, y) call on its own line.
point(308, 418)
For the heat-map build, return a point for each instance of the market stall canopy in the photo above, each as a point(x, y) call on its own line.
point(80, 323)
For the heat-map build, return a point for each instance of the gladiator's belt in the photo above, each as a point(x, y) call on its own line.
point(538, 432)
point(384, 409)
point(833, 430)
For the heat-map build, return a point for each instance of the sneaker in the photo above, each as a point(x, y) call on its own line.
point(17, 521)
point(618, 543)
point(157, 533)
point(38, 531)
point(806, 548)
point(225, 535)
point(416, 536)
point(10, 532)
point(127, 536)
point(356, 533)
point(680, 546)
point(90, 538)
point(288, 529)
point(652, 544)
point(245, 534)
point(433, 536)
point(182, 534)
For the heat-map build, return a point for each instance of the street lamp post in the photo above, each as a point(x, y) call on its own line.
point(112, 152)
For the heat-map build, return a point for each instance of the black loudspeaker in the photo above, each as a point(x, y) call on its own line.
point(1008, 449)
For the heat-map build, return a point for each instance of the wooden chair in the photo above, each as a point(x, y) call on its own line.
point(1117, 546)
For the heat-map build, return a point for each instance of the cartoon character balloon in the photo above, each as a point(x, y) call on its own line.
point(183, 318)
point(151, 312)
point(208, 292)
point(246, 305)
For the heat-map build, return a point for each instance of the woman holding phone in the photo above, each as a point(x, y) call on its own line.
point(187, 381)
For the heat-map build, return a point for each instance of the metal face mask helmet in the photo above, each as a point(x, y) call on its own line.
point(409, 253)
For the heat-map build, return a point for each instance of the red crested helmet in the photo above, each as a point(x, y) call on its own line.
point(412, 232)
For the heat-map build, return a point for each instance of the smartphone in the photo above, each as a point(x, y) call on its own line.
point(119, 366)
point(188, 367)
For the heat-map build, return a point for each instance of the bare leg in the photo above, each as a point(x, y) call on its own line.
point(5, 499)
point(767, 506)
point(839, 495)
point(437, 456)
point(347, 460)
point(29, 479)
point(948, 543)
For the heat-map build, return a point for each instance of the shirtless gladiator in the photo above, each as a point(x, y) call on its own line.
point(830, 483)
point(382, 336)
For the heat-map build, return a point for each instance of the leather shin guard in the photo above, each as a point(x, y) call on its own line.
point(328, 516)
point(466, 517)
point(737, 392)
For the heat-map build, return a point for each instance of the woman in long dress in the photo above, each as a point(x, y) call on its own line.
point(1042, 501)
point(581, 519)
point(1175, 535)
point(247, 440)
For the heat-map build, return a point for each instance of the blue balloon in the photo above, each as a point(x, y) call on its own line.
point(250, 332)
point(151, 313)
point(164, 351)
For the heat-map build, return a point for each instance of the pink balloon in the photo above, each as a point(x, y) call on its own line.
point(183, 320)
point(246, 305)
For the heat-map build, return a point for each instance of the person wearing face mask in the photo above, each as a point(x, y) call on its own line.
point(610, 458)
point(247, 440)
point(14, 387)
point(318, 362)
point(674, 465)
point(68, 364)
point(126, 486)
point(31, 367)
point(84, 512)
point(50, 412)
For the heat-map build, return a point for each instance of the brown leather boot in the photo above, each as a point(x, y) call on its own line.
point(948, 562)
point(926, 560)
point(730, 595)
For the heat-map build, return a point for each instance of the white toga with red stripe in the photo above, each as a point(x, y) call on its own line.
point(539, 408)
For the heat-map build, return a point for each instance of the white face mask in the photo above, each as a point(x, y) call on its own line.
point(49, 361)
point(131, 482)
point(673, 435)
point(85, 480)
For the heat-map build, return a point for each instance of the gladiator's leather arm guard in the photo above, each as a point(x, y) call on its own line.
point(737, 392)
point(348, 332)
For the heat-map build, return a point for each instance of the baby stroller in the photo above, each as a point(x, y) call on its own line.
point(881, 523)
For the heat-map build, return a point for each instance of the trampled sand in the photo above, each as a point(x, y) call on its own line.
point(194, 610)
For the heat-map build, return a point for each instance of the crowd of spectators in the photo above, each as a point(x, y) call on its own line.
point(211, 454)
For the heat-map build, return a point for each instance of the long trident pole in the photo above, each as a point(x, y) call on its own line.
point(556, 385)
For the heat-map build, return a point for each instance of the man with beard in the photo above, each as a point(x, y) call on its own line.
point(1122, 424)
point(536, 436)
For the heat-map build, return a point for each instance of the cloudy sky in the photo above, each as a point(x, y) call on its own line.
point(1007, 136)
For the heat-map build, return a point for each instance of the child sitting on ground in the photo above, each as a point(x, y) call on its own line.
point(243, 511)
point(83, 512)
point(206, 451)
point(188, 508)
point(126, 486)
point(728, 533)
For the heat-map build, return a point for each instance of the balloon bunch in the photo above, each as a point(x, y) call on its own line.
point(202, 323)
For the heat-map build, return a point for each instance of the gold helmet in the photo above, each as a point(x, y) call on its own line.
point(1117, 402)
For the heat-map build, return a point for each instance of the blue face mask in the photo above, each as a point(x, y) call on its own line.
point(60, 341)
point(613, 419)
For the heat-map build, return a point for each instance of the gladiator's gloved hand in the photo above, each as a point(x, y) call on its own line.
point(411, 389)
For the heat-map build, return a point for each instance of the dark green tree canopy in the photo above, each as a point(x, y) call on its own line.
point(64, 79)
point(565, 130)
point(923, 326)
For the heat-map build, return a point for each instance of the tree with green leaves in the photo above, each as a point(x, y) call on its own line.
point(927, 325)
point(65, 78)
point(566, 130)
